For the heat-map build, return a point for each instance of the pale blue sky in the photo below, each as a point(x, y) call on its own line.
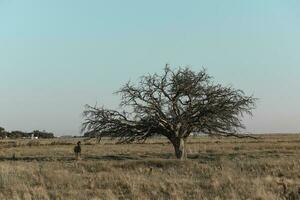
point(58, 55)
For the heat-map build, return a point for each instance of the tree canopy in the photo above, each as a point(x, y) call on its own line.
point(175, 104)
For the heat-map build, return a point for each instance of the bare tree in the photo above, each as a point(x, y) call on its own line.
point(174, 104)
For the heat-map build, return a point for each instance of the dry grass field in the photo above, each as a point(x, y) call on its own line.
point(217, 168)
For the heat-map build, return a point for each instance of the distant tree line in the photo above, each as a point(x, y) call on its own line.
point(21, 134)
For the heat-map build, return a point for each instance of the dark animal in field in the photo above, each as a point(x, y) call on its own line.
point(77, 150)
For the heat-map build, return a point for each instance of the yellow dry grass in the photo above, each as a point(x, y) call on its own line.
point(217, 168)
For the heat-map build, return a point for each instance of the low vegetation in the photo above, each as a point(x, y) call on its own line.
point(22, 134)
point(227, 168)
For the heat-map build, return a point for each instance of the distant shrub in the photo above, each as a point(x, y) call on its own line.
point(9, 144)
point(237, 148)
point(61, 143)
point(210, 151)
point(33, 143)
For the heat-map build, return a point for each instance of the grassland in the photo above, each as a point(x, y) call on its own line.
point(227, 168)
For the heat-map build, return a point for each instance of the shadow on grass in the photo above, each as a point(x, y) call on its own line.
point(35, 158)
point(205, 157)
point(113, 157)
point(201, 157)
point(69, 158)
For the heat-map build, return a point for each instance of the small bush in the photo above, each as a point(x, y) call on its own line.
point(61, 143)
point(33, 143)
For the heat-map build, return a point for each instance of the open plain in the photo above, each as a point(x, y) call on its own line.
point(216, 168)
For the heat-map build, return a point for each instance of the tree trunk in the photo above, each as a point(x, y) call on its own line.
point(179, 147)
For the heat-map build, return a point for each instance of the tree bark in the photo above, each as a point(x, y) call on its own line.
point(179, 147)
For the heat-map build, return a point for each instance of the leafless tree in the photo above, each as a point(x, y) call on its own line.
point(174, 104)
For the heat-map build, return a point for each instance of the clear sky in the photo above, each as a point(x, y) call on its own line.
point(58, 55)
